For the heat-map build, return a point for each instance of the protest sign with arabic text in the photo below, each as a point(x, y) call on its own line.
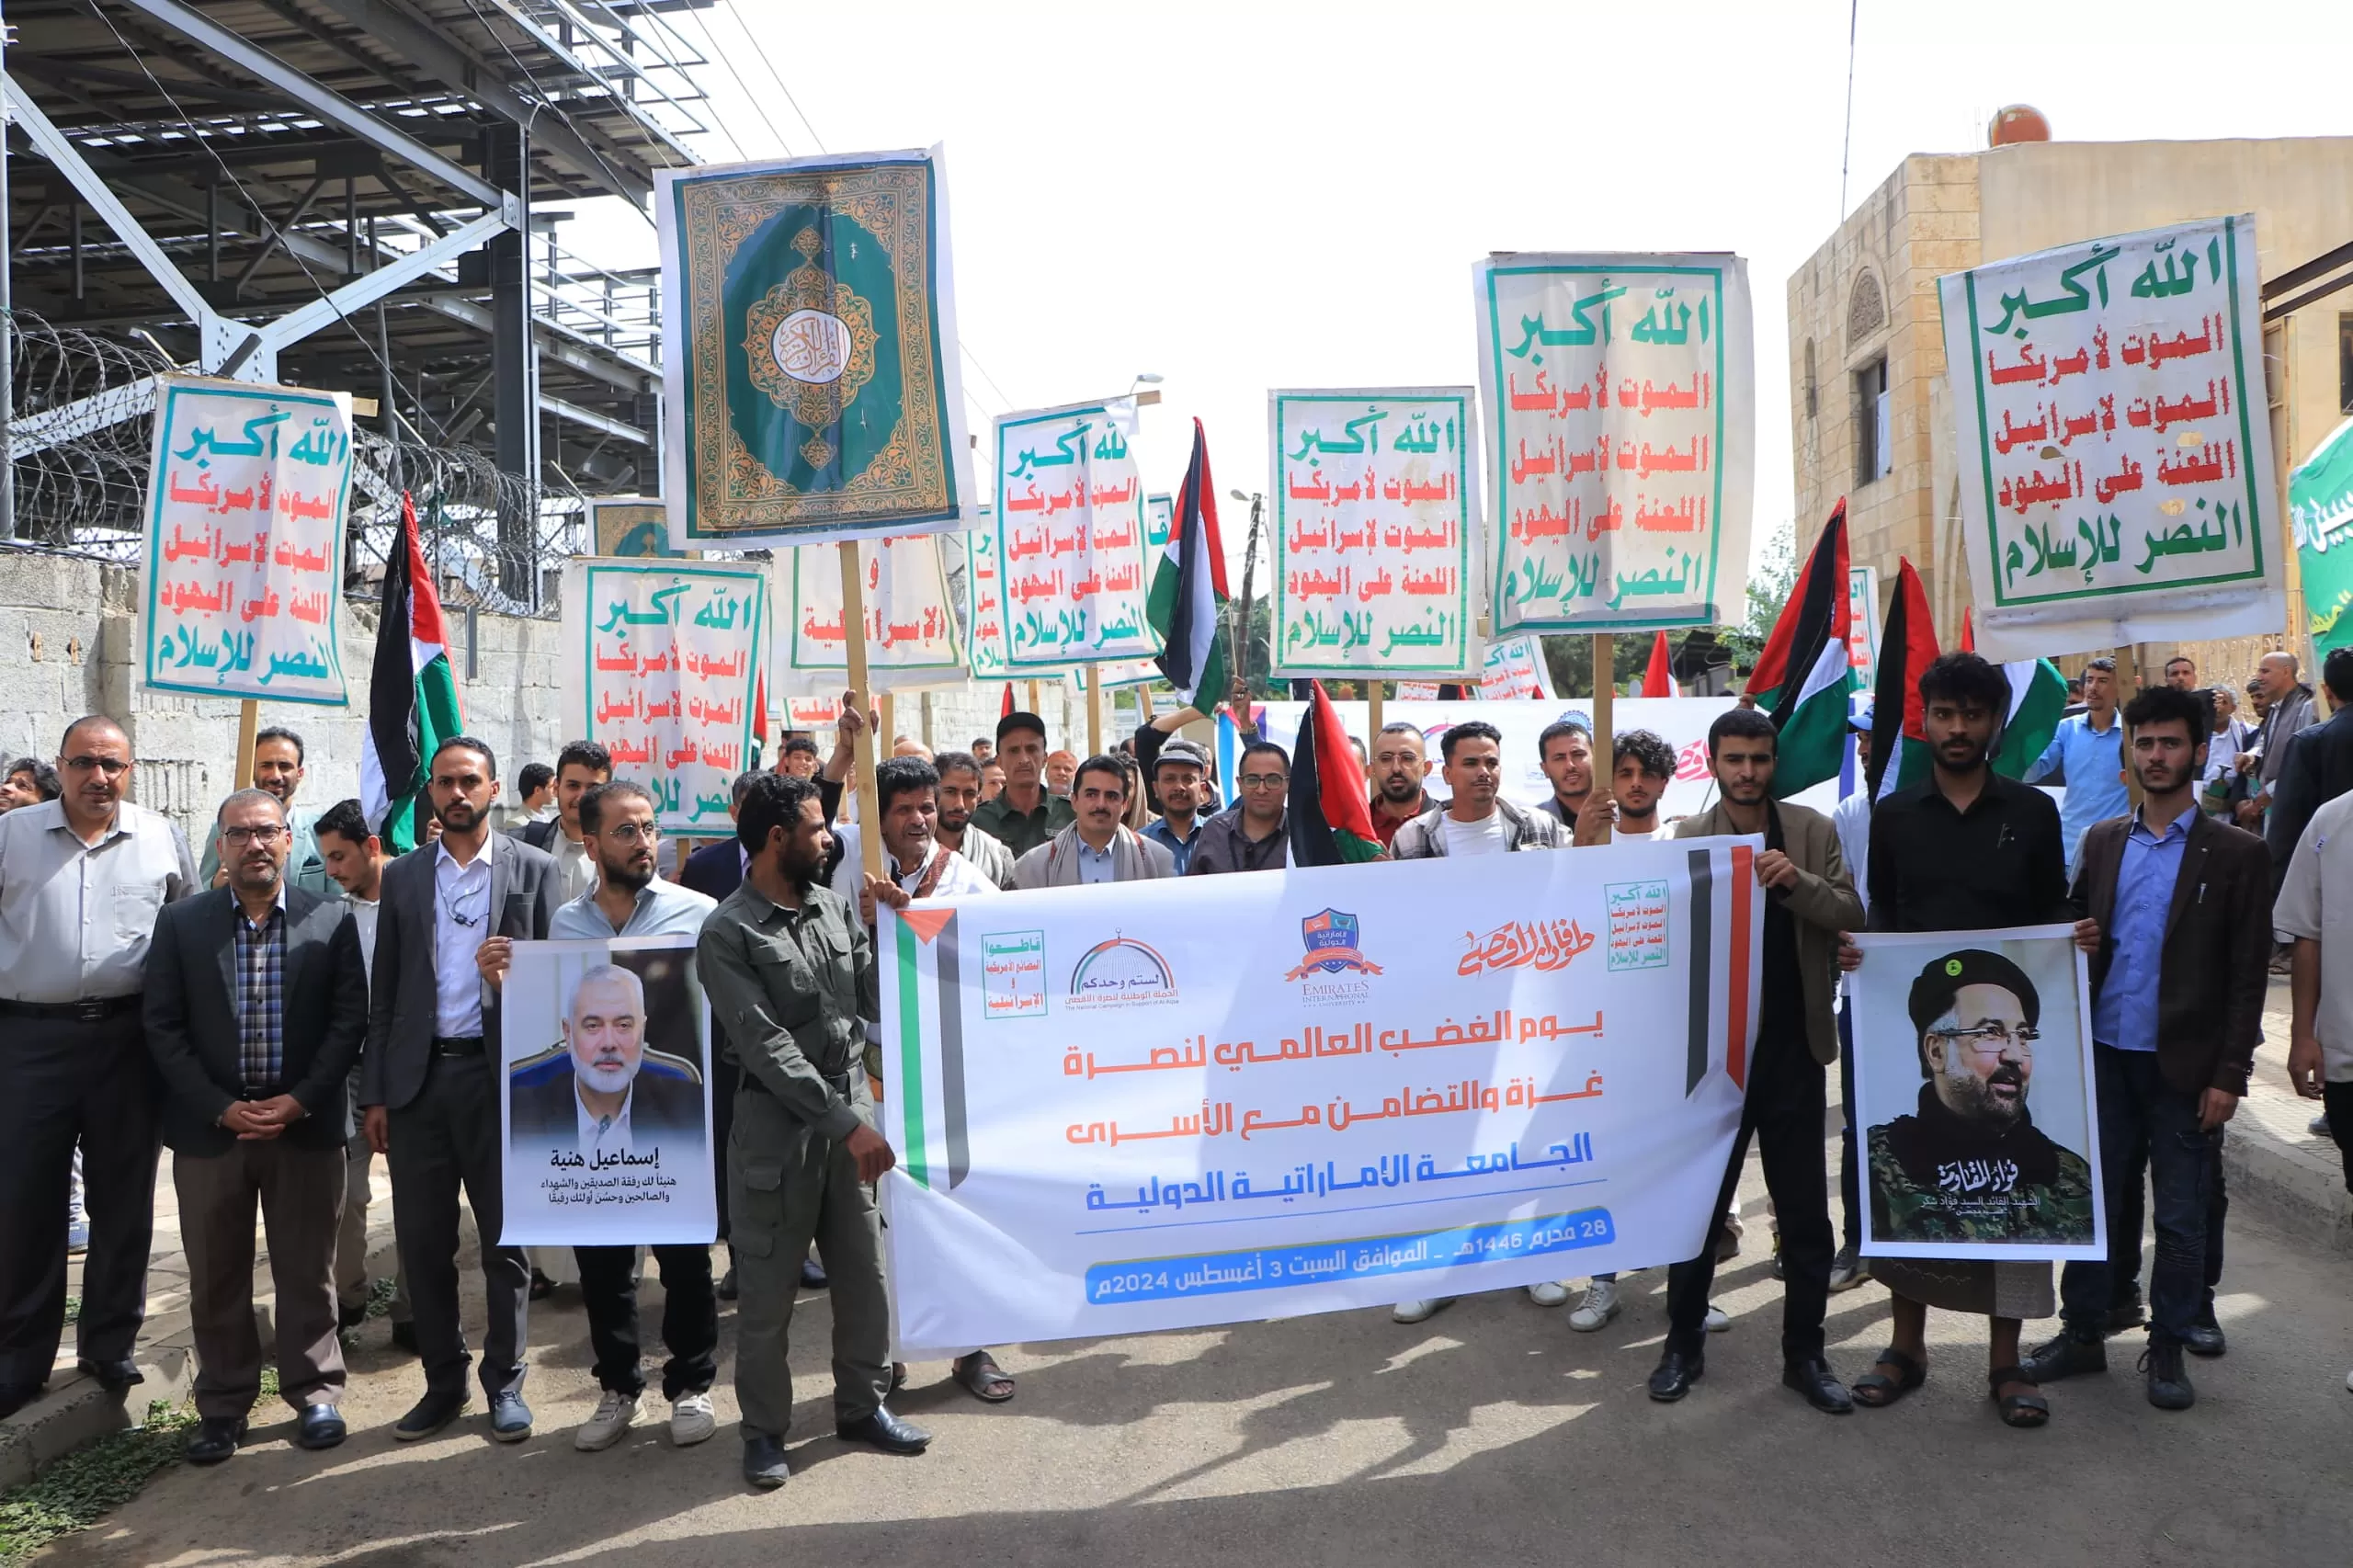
point(1376, 523)
point(1620, 424)
point(1425, 1078)
point(245, 496)
point(2320, 500)
point(664, 667)
point(1070, 529)
point(912, 637)
point(2115, 451)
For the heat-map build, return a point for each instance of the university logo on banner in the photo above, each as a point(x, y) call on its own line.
point(1331, 939)
point(808, 343)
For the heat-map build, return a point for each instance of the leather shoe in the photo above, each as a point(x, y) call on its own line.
point(2065, 1356)
point(884, 1431)
point(728, 1289)
point(112, 1376)
point(510, 1418)
point(320, 1427)
point(2169, 1379)
point(764, 1464)
point(429, 1415)
point(2205, 1337)
point(1813, 1379)
point(1674, 1374)
point(812, 1273)
point(214, 1439)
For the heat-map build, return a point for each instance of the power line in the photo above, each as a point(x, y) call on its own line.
point(727, 60)
point(745, 28)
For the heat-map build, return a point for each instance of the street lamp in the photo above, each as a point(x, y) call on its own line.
point(1144, 378)
point(1249, 569)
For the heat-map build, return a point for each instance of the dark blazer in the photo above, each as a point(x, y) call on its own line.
point(2213, 969)
point(666, 1100)
point(2317, 769)
point(540, 834)
point(191, 1015)
point(714, 871)
point(401, 1016)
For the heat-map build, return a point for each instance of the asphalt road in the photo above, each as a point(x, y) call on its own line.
point(1491, 1433)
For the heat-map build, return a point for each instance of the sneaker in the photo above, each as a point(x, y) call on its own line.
point(1728, 1244)
point(2169, 1387)
point(1421, 1310)
point(1600, 1304)
point(2318, 1126)
point(615, 1413)
point(2348, 1382)
point(691, 1420)
point(1549, 1293)
point(1849, 1268)
point(1717, 1321)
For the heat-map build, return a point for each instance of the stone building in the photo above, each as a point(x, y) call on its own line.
point(1868, 409)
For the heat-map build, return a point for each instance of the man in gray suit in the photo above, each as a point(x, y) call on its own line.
point(256, 1002)
point(429, 1083)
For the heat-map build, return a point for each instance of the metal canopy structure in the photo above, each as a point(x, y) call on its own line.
point(360, 195)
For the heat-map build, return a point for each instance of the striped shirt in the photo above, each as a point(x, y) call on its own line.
point(261, 998)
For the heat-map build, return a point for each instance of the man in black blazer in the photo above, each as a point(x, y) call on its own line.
point(429, 1083)
point(716, 871)
point(255, 1005)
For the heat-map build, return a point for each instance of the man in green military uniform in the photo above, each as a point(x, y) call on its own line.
point(789, 972)
point(1971, 1165)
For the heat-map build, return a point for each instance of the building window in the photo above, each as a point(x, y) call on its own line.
point(1874, 443)
point(1811, 399)
point(2345, 363)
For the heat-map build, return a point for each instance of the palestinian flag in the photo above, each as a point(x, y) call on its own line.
point(2038, 699)
point(1005, 709)
point(1188, 593)
point(1331, 825)
point(412, 692)
point(1659, 679)
point(1803, 677)
point(759, 720)
point(1906, 648)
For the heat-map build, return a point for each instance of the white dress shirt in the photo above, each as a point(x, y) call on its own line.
point(75, 919)
point(364, 911)
point(599, 1139)
point(957, 878)
point(575, 868)
point(461, 916)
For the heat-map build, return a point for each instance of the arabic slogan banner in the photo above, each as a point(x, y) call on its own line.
point(809, 371)
point(1433, 1077)
point(1376, 518)
point(1071, 536)
point(2320, 504)
point(2116, 482)
point(245, 495)
point(984, 599)
point(912, 638)
point(1621, 425)
point(1516, 672)
point(669, 654)
point(1158, 511)
point(607, 1104)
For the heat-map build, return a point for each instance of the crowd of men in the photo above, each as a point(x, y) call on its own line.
point(277, 1036)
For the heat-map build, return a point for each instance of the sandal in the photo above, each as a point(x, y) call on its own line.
point(2018, 1409)
point(982, 1378)
point(1879, 1391)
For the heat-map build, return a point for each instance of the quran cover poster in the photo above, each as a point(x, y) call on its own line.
point(1974, 1097)
point(811, 369)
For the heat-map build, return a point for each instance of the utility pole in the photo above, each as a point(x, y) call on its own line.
point(1249, 572)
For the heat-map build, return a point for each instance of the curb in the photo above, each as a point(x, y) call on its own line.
point(76, 1411)
point(2298, 1181)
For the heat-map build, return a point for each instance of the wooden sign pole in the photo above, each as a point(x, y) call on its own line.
point(249, 723)
point(1094, 709)
point(1605, 693)
point(870, 808)
point(1372, 716)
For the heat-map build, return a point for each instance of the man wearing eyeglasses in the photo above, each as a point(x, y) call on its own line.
point(82, 879)
point(1248, 836)
point(1970, 1164)
point(627, 900)
point(257, 1111)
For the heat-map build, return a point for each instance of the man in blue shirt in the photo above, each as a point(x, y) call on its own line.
point(2088, 754)
point(2183, 905)
point(1179, 771)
